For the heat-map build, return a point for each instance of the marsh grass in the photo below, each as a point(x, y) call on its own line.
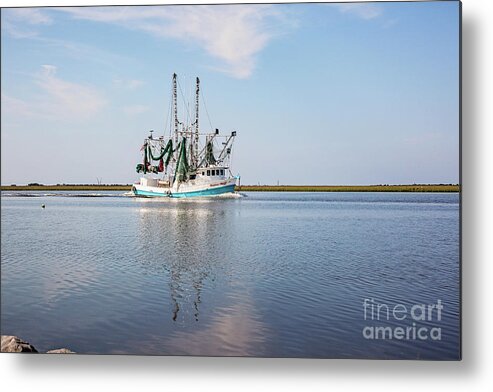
point(350, 188)
point(66, 187)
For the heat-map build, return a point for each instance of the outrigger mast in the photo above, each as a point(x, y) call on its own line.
point(195, 147)
point(175, 109)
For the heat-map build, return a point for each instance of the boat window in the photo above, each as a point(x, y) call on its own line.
point(222, 172)
point(213, 172)
point(208, 172)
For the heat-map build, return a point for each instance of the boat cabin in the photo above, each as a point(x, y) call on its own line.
point(212, 172)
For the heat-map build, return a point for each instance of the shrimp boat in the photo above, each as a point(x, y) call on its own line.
point(187, 163)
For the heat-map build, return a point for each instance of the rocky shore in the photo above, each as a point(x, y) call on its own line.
point(13, 344)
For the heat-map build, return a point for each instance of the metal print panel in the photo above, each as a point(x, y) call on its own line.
point(266, 180)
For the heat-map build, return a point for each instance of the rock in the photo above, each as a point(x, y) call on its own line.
point(60, 351)
point(13, 344)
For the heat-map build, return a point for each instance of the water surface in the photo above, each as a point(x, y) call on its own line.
point(268, 274)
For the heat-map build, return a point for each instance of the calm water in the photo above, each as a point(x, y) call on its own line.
point(269, 274)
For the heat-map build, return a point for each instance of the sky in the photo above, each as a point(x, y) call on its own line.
point(329, 94)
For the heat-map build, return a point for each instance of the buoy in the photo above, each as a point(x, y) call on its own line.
point(43, 206)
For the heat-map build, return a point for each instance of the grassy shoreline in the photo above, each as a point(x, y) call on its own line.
point(351, 188)
point(256, 188)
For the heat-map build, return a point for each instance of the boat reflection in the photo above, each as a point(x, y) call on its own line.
point(186, 240)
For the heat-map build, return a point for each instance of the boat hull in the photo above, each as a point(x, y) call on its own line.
point(139, 190)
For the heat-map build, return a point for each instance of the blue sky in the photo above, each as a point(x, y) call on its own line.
point(319, 93)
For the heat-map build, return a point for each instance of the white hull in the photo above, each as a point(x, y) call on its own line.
point(190, 188)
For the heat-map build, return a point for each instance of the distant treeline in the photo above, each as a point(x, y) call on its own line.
point(251, 188)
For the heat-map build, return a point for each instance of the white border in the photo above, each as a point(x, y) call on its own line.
point(120, 373)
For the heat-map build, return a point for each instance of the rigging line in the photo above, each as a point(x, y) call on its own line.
point(167, 118)
point(171, 116)
point(206, 111)
point(230, 156)
point(184, 101)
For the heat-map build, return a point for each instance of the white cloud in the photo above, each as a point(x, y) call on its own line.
point(57, 99)
point(364, 11)
point(233, 34)
point(48, 70)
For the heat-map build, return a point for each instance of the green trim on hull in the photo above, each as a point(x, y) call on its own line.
point(206, 192)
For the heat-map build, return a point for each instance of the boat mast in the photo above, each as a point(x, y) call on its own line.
point(196, 139)
point(175, 109)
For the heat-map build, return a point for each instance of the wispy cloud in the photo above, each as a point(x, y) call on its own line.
point(134, 110)
point(129, 84)
point(27, 23)
point(22, 22)
point(14, 106)
point(32, 16)
point(232, 34)
point(424, 139)
point(364, 11)
point(71, 99)
point(56, 99)
point(390, 22)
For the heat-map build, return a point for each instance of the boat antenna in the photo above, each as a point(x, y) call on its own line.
point(196, 139)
